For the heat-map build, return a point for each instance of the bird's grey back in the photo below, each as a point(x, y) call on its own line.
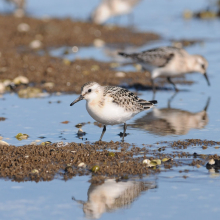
point(158, 57)
point(130, 2)
point(126, 99)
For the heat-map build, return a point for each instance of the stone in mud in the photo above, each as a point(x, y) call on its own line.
point(3, 143)
point(111, 154)
point(95, 169)
point(166, 159)
point(35, 44)
point(146, 161)
point(81, 132)
point(23, 27)
point(31, 92)
point(213, 163)
point(21, 136)
point(21, 80)
point(83, 165)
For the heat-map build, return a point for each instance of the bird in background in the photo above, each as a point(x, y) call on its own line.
point(111, 105)
point(19, 7)
point(169, 62)
point(112, 8)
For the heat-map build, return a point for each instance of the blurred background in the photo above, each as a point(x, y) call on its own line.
point(49, 49)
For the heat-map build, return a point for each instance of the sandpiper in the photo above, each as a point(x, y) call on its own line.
point(111, 105)
point(111, 8)
point(18, 3)
point(20, 6)
point(169, 62)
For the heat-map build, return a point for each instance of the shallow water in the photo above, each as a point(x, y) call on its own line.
point(182, 115)
point(174, 197)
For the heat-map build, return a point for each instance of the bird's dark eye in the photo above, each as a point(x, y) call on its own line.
point(89, 90)
point(203, 66)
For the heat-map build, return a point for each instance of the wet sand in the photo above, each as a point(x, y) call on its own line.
point(18, 58)
point(74, 33)
point(45, 162)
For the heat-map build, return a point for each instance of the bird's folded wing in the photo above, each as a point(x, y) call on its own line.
point(157, 57)
point(129, 100)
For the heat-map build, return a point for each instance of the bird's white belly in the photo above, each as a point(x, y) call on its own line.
point(109, 113)
point(166, 72)
point(121, 8)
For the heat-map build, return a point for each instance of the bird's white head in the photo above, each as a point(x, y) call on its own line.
point(201, 65)
point(89, 91)
point(101, 14)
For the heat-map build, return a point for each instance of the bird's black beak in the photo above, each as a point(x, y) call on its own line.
point(207, 79)
point(77, 100)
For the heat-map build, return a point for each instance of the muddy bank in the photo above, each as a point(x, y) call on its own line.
point(42, 162)
point(67, 76)
point(18, 57)
point(52, 32)
point(48, 161)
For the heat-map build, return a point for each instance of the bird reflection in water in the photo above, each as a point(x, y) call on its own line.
point(172, 121)
point(112, 195)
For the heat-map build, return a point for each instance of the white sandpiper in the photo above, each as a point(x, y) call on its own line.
point(19, 4)
point(112, 8)
point(111, 105)
point(169, 62)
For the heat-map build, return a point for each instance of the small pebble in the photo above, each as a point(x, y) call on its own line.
point(120, 74)
point(146, 161)
point(95, 169)
point(35, 171)
point(212, 161)
point(81, 132)
point(23, 27)
point(75, 49)
point(35, 44)
point(21, 80)
point(82, 165)
point(3, 143)
point(98, 43)
point(2, 88)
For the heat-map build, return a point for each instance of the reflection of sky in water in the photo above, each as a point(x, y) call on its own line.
point(170, 200)
point(175, 197)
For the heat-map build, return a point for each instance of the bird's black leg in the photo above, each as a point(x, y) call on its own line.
point(103, 132)
point(170, 81)
point(153, 86)
point(125, 127)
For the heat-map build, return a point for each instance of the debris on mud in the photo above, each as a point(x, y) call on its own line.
point(21, 136)
point(185, 43)
point(40, 70)
point(31, 73)
point(50, 161)
point(43, 33)
point(3, 143)
point(2, 118)
point(47, 161)
point(211, 12)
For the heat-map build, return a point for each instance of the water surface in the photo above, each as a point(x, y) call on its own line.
point(191, 113)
